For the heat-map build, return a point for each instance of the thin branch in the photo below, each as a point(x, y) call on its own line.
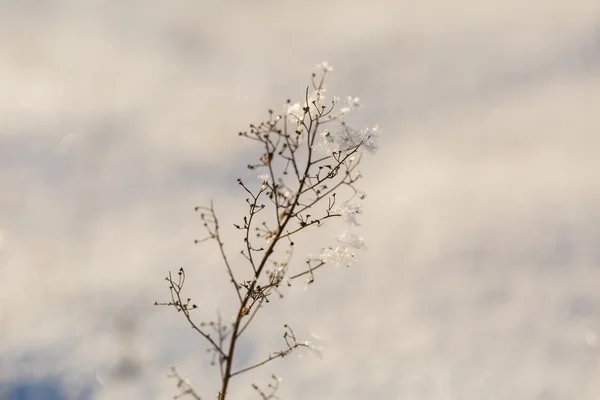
point(178, 304)
point(251, 317)
point(223, 254)
point(184, 384)
point(310, 271)
point(273, 356)
point(243, 309)
point(306, 191)
point(306, 225)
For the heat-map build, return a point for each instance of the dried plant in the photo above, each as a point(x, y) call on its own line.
point(304, 168)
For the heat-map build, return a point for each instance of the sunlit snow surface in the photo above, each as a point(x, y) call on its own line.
point(481, 278)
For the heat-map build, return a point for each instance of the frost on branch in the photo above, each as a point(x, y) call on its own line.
point(307, 173)
point(343, 254)
point(349, 211)
point(346, 138)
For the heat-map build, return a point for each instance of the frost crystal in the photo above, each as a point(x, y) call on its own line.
point(353, 102)
point(349, 211)
point(295, 110)
point(349, 239)
point(325, 66)
point(346, 139)
point(264, 178)
point(371, 138)
point(343, 254)
point(340, 256)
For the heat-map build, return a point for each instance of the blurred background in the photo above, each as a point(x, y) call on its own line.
point(482, 219)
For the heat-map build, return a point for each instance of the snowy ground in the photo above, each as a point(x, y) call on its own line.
point(482, 275)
